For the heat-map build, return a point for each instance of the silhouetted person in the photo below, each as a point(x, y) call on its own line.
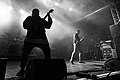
point(76, 46)
point(36, 37)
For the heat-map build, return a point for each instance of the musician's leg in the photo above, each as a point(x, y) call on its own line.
point(80, 58)
point(46, 50)
point(72, 55)
point(27, 47)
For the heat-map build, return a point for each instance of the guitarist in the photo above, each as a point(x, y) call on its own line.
point(36, 37)
point(76, 46)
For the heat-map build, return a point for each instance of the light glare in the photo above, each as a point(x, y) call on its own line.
point(5, 13)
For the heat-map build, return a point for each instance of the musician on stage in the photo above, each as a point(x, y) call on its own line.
point(36, 37)
point(76, 46)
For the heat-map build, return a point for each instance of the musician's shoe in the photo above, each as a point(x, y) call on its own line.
point(20, 73)
point(81, 62)
point(71, 62)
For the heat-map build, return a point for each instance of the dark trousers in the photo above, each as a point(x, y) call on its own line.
point(27, 48)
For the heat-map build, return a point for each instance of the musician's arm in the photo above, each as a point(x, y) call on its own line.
point(48, 23)
point(27, 23)
point(82, 39)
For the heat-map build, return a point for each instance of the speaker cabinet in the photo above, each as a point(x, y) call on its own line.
point(113, 64)
point(46, 69)
point(115, 32)
point(3, 63)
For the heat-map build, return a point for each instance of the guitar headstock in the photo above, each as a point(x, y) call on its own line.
point(50, 11)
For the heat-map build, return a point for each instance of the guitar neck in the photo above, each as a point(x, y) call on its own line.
point(48, 13)
point(46, 16)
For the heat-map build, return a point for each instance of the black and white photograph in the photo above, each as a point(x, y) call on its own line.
point(59, 39)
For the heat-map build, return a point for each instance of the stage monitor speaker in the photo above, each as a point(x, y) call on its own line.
point(3, 63)
point(112, 64)
point(46, 69)
point(109, 76)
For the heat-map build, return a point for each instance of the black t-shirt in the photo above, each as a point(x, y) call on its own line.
point(36, 27)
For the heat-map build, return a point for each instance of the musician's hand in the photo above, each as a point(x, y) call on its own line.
point(82, 39)
point(49, 17)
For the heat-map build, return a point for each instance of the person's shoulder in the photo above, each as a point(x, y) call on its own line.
point(29, 17)
point(75, 34)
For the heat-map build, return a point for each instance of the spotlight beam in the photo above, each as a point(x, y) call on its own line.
point(95, 12)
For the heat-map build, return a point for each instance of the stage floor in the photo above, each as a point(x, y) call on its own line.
point(13, 67)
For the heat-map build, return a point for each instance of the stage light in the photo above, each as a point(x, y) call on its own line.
point(70, 9)
point(47, 3)
point(56, 4)
point(24, 15)
point(5, 13)
point(22, 12)
point(87, 16)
